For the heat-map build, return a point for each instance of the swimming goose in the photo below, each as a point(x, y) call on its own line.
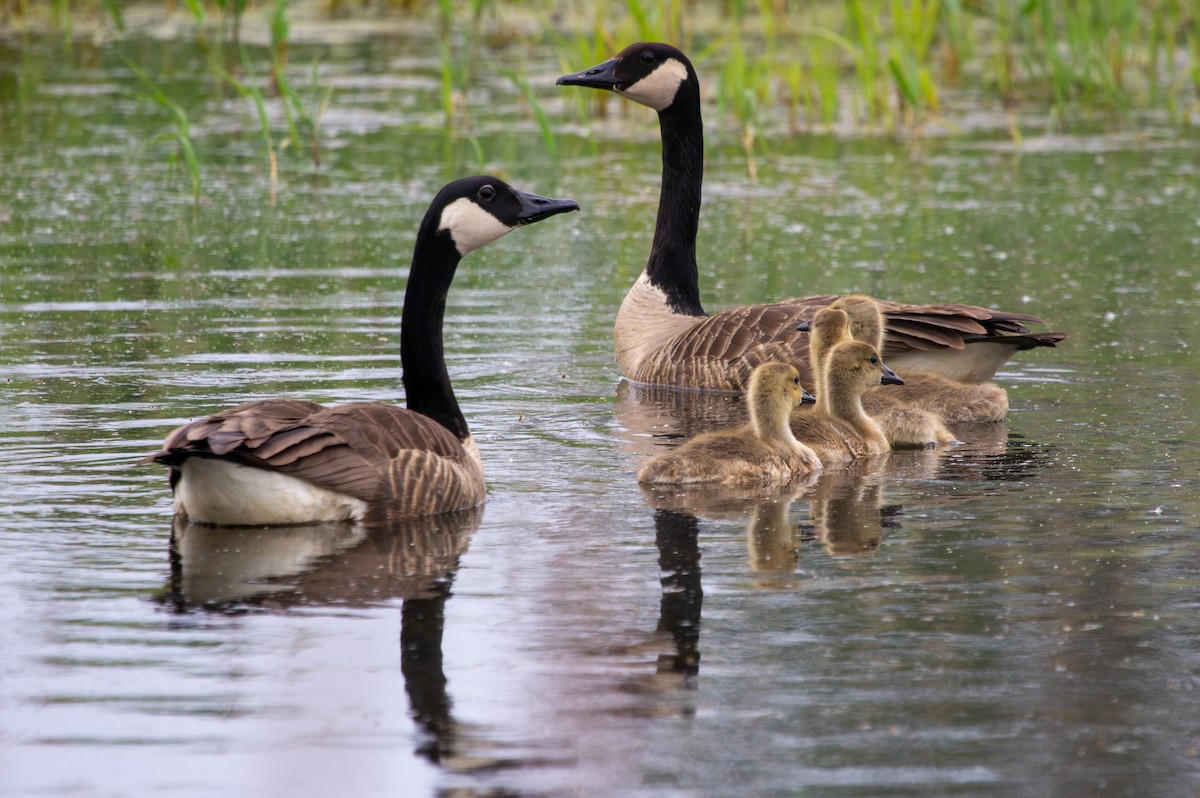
point(289, 461)
point(838, 429)
point(761, 452)
point(955, 402)
point(662, 333)
point(904, 427)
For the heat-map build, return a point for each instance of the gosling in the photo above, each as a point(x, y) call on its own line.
point(838, 429)
point(954, 402)
point(762, 452)
point(904, 427)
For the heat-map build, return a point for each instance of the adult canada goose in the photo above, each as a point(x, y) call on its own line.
point(904, 427)
point(838, 429)
point(761, 452)
point(289, 461)
point(662, 333)
point(955, 402)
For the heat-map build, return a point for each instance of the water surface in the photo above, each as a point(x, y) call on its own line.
point(1017, 616)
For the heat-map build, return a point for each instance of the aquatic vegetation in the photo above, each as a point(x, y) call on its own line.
point(180, 131)
point(249, 89)
point(299, 114)
point(843, 65)
point(539, 114)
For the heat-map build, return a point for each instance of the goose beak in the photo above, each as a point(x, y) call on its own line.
point(535, 208)
point(600, 76)
point(807, 398)
point(889, 377)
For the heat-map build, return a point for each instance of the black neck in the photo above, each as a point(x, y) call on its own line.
point(426, 381)
point(672, 263)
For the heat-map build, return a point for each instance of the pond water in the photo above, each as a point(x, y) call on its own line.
point(1016, 616)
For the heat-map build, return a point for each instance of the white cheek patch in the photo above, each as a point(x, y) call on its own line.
point(657, 90)
point(470, 225)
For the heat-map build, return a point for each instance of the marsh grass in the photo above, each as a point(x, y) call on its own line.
point(303, 118)
point(887, 65)
point(852, 66)
point(180, 132)
point(249, 89)
point(539, 113)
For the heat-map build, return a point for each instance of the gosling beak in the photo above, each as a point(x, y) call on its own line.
point(807, 398)
point(535, 208)
point(889, 377)
point(804, 326)
point(600, 76)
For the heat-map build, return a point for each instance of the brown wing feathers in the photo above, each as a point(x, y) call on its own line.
point(930, 327)
point(359, 449)
point(724, 348)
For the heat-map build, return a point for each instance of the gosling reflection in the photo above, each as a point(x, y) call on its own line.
point(847, 512)
point(772, 541)
point(228, 569)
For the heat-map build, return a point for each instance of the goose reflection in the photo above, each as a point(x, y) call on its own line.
point(231, 569)
point(677, 536)
point(772, 540)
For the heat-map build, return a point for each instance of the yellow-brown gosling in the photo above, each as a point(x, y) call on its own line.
point(954, 402)
point(838, 429)
point(904, 427)
point(762, 452)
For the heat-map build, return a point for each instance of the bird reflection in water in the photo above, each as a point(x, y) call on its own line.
point(677, 536)
point(846, 511)
point(236, 569)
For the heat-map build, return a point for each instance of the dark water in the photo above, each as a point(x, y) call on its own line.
point(1017, 616)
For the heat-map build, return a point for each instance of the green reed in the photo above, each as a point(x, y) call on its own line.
point(180, 132)
point(876, 65)
point(250, 89)
point(539, 113)
point(303, 118)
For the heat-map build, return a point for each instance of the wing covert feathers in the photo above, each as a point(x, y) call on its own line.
point(718, 352)
point(375, 452)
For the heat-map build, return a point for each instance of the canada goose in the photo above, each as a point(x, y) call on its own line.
point(904, 427)
point(761, 452)
point(839, 429)
point(662, 333)
point(955, 402)
point(289, 461)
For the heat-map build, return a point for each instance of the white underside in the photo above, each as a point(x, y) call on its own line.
point(218, 492)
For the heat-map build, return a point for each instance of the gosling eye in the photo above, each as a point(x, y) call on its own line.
point(486, 193)
point(874, 360)
point(795, 380)
point(647, 57)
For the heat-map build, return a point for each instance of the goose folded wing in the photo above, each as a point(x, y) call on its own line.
point(946, 326)
point(731, 343)
point(351, 448)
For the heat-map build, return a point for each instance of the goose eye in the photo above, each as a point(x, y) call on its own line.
point(647, 57)
point(487, 192)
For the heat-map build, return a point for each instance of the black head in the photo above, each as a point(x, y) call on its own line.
point(651, 73)
point(477, 210)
